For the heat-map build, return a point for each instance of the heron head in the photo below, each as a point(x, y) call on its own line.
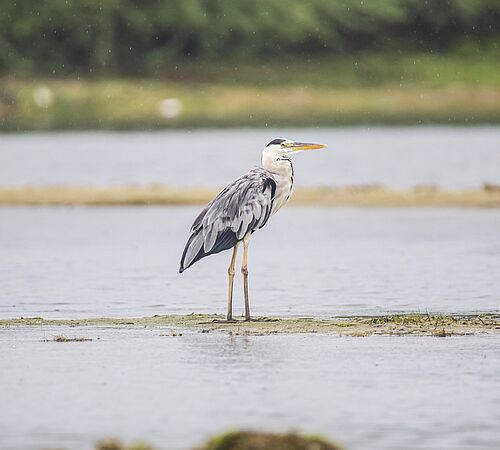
point(284, 147)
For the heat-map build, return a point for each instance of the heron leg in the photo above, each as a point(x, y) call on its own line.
point(230, 272)
point(244, 271)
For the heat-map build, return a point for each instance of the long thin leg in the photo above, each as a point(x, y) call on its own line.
point(230, 272)
point(244, 271)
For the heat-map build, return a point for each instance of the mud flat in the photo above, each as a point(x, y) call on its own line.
point(390, 325)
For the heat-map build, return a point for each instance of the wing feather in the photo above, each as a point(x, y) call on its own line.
point(242, 207)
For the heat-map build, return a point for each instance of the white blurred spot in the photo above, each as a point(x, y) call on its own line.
point(43, 97)
point(170, 108)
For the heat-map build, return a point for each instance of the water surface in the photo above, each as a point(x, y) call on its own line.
point(401, 157)
point(368, 393)
point(78, 262)
point(377, 393)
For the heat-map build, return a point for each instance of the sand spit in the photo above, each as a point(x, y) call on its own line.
point(369, 195)
point(391, 325)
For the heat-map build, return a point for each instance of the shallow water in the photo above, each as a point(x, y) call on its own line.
point(79, 262)
point(377, 393)
point(401, 157)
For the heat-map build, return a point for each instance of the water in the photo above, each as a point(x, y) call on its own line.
point(374, 393)
point(377, 393)
point(451, 157)
point(79, 262)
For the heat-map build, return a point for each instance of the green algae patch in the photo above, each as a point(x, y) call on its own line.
point(240, 440)
point(391, 325)
point(251, 440)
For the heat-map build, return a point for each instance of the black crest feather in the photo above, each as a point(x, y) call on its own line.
point(275, 141)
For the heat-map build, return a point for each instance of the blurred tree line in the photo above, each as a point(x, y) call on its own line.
point(148, 36)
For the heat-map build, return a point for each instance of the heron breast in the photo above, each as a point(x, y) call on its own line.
point(283, 193)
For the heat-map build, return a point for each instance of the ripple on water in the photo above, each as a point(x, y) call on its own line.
point(375, 392)
point(294, 268)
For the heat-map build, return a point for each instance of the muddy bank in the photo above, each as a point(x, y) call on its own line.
point(390, 325)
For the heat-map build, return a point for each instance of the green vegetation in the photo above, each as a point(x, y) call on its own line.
point(240, 440)
point(418, 319)
point(251, 440)
point(488, 197)
point(147, 37)
point(391, 325)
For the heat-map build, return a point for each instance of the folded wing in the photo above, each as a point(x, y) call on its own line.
point(242, 207)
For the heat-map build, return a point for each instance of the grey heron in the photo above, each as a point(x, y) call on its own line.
point(241, 208)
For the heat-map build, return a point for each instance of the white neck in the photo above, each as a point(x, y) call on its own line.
point(275, 163)
point(281, 169)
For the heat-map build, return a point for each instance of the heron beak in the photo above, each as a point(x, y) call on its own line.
point(296, 146)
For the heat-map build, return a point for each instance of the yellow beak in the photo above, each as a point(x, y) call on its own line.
point(306, 146)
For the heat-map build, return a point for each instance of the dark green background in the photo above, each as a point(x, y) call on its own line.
point(146, 37)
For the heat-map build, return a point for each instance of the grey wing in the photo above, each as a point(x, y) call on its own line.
point(243, 206)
